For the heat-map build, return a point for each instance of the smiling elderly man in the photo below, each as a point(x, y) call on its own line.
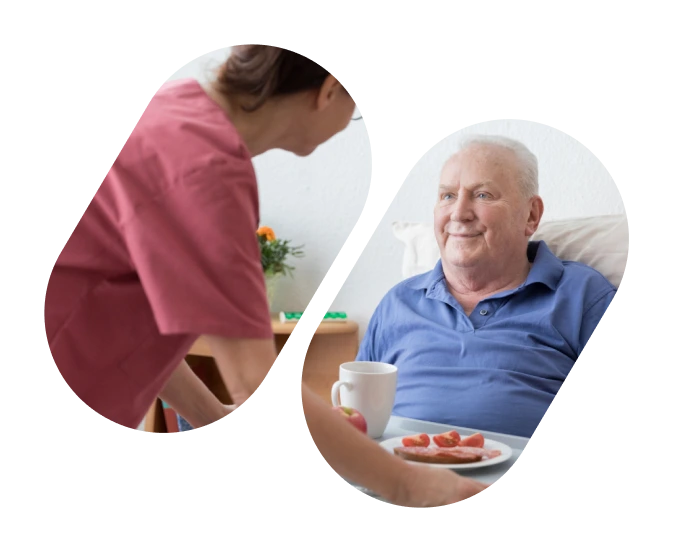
point(486, 338)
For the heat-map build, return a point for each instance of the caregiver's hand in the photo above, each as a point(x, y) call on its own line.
point(424, 486)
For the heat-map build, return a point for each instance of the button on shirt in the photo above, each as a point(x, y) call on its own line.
point(499, 368)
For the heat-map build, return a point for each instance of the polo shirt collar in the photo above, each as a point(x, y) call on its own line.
point(546, 269)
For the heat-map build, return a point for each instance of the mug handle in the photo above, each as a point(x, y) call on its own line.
point(335, 391)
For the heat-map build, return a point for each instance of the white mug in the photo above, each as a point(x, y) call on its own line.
point(370, 388)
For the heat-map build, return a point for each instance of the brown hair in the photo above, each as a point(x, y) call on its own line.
point(260, 72)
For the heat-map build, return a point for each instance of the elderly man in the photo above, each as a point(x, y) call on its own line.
point(486, 338)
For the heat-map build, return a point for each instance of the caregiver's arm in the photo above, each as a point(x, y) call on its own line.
point(362, 461)
point(190, 397)
point(350, 453)
point(243, 363)
point(357, 458)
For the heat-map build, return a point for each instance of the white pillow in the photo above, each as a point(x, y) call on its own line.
point(421, 250)
point(600, 242)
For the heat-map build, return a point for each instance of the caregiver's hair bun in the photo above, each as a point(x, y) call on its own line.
point(255, 73)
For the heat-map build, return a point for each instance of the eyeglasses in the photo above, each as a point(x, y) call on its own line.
point(356, 115)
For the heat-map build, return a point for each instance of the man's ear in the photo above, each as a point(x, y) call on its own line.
point(535, 214)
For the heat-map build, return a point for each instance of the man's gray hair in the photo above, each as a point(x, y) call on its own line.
point(528, 162)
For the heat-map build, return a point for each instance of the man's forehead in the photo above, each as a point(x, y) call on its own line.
point(485, 162)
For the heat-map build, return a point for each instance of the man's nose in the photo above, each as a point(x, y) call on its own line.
point(462, 208)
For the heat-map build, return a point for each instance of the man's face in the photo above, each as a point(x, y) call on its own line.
point(481, 217)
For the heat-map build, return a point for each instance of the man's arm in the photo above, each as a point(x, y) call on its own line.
point(190, 397)
point(592, 317)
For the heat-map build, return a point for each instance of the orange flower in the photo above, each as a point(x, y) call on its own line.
point(267, 232)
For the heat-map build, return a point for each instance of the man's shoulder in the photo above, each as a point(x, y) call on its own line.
point(576, 273)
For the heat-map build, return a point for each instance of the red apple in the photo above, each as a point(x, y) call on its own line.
point(354, 417)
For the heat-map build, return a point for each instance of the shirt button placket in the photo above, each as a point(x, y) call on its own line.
point(479, 318)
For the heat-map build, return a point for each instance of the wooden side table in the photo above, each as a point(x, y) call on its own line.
point(333, 343)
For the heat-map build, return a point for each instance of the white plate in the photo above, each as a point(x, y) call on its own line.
point(506, 453)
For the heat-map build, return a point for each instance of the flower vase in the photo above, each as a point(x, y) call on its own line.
point(271, 283)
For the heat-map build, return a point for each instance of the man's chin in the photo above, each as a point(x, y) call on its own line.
point(458, 259)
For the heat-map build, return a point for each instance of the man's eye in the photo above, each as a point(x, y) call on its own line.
point(482, 195)
point(446, 197)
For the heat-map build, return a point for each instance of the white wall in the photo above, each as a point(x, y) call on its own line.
point(318, 201)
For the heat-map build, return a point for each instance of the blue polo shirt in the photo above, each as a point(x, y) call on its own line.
point(499, 368)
